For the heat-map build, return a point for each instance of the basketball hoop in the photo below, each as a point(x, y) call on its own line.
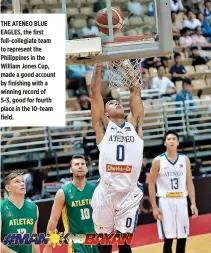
point(125, 73)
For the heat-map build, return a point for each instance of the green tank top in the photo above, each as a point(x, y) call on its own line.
point(15, 220)
point(77, 214)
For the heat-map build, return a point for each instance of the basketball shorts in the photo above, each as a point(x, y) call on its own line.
point(175, 221)
point(116, 211)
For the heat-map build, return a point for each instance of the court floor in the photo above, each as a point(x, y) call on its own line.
point(195, 244)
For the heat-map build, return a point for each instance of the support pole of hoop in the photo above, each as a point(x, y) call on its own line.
point(16, 6)
point(64, 10)
point(110, 37)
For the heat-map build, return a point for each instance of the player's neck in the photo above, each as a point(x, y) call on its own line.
point(79, 182)
point(171, 153)
point(18, 201)
point(117, 121)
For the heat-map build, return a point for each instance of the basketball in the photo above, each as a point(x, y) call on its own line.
point(102, 20)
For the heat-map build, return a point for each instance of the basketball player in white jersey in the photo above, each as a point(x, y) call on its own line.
point(116, 199)
point(171, 173)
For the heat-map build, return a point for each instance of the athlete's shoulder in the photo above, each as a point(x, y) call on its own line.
point(67, 187)
point(4, 202)
point(181, 154)
point(91, 185)
point(161, 155)
point(29, 204)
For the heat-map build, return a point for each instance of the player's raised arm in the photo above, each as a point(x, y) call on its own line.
point(55, 215)
point(136, 115)
point(99, 120)
point(4, 248)
point(35, 247)
point(154, 171)
point(191, 188)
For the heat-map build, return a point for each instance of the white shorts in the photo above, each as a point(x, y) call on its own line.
point(175, 221)
point(116, 211)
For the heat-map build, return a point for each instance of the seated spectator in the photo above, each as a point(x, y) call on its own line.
point(90, 29)
point(5, 10)
point(151, 62)
point(186, 94)
point(176, 26)
point(185, 40)
point(75, 75)
point(99, 5)
point(162, 83)
point(83, 102)
point(150, 9)
point(146, 83)
point(191, 22)
point(207, 11)
point(73, 31)
point(178, 71)
point(134, 8)
point(199, 40)
point(206, 28)
point(193, 5)
point(176, 5)
point(197, 59)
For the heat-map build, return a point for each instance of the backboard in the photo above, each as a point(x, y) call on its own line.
point(142, 36)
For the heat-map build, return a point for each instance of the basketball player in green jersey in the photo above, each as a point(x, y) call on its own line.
point(73, 203)
point(18, 216)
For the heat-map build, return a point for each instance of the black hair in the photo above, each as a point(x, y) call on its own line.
point(170, 132)
point(176, 55)
point(88, 18)
point(77, 157)
point(194, 48)
point(159, 66)
point(3, 8)
point(70, 17)
point(184, 30)
point(106, 100)
point(186, 81)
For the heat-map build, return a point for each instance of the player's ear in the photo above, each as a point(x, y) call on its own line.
point(71, 170)
point(106, 114)
point(7, 187)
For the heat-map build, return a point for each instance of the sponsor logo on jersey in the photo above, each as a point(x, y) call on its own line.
point(118, 168)
point(9, 214)
point(127, 129)
point(174, 194)
point(181, 165)
point(17, 222)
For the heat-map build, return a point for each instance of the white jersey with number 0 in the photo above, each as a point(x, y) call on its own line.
point(171, 181)
point(121, 155)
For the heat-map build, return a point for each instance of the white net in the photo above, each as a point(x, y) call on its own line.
point(125, 73)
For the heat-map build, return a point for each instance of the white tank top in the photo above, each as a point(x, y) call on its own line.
point(121, 155)
point(171, 181)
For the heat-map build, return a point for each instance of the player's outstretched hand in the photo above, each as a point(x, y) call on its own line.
point(194, 211)
point(157, 213)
